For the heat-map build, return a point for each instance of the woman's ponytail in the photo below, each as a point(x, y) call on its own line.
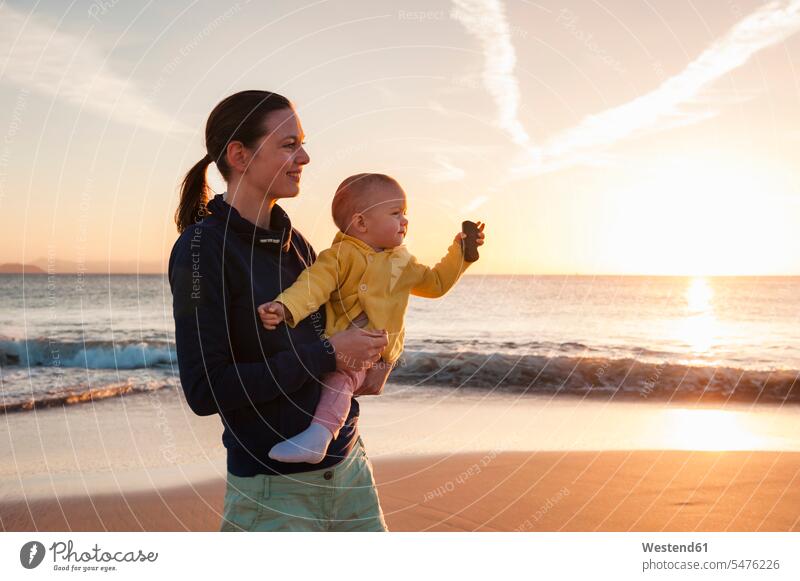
point(194, 195)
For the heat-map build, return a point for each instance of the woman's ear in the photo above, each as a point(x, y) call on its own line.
point(237, 156)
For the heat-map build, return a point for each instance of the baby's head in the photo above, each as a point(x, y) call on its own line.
point(372, 208)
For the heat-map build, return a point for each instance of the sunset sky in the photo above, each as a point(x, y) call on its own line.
point(620, 137)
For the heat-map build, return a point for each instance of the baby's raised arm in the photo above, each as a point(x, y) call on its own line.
point(434, 282)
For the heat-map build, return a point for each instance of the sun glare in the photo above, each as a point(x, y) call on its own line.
point(699, 328)
point(698, 296)
point(688, 429)
point(696, 217)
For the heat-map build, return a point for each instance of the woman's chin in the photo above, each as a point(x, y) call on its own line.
point(291, 192)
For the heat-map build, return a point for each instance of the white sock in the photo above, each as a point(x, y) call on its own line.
point(309, 446)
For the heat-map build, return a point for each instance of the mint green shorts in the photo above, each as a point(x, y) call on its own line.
point(340, 498)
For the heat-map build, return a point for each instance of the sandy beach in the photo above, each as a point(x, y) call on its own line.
point(550, 491)
point(442, 463)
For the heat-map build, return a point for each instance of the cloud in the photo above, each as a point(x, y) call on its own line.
point(661, 108)
point(486, 20)
point(39, 57)
point(446, 171)
point(475, 203)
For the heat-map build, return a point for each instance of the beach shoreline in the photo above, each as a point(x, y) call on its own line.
point(444, 459)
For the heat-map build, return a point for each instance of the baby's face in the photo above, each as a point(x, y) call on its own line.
point(385, 218)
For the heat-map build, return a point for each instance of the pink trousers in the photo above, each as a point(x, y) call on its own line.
point(334, 401)
point(338, 387)
point(337, 391)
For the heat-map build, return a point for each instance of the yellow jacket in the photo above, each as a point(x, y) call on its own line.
point(351, 278)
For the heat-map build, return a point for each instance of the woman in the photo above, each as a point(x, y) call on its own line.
point(235, 252)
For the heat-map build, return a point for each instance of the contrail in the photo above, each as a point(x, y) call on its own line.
point(486, 20)
point(657, 110)
point(660, 109)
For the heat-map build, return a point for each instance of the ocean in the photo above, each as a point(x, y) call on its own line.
point(68, 339)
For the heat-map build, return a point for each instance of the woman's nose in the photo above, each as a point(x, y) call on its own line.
point(302, 156)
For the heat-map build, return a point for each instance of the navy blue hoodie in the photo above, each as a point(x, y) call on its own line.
point(263, 384)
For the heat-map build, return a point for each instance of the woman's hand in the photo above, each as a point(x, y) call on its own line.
point(374, 379)
point(357, 348)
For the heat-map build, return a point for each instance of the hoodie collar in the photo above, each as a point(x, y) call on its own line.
point(342, 237)
point(277, 237)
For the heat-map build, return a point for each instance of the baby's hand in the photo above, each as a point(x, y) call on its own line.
point(460, 236)
point(272, 314)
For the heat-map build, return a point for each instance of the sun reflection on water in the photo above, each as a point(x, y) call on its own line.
point(700, 328)
point(699, 295)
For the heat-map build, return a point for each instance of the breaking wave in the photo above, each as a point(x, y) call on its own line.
point(87, 355)
point(597, 376)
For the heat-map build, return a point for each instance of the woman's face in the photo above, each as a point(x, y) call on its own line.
point(278, 159)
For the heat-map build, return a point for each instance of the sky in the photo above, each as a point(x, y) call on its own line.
point(620, 137)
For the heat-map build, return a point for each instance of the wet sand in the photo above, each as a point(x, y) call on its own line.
point(147, 463)
point(512, 491)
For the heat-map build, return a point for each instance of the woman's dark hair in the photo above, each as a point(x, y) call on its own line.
point(240, 117)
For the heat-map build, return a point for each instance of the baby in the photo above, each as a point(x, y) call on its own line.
point(364, 279)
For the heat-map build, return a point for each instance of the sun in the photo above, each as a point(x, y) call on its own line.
point(696, 217)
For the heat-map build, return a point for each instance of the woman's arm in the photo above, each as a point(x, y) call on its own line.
point(211, 379)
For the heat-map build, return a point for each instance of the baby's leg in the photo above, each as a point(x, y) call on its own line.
point(311, 444)
point(334, 401)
